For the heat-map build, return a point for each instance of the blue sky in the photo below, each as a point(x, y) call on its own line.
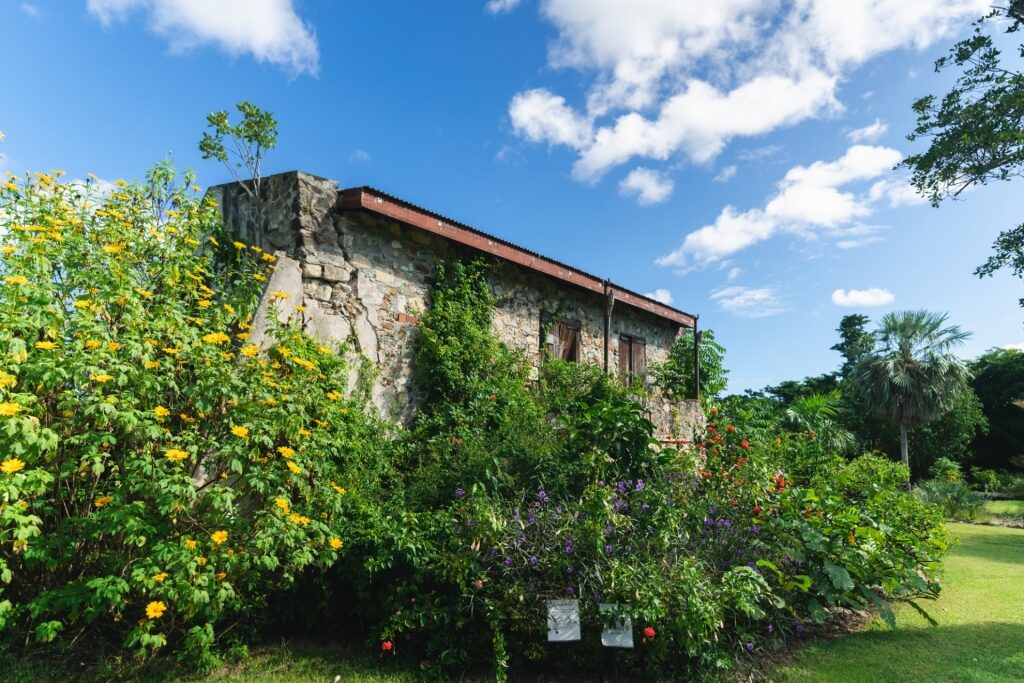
point(736, 155)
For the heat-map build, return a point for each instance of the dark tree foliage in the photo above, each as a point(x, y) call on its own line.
point(855, 341)
point(998, 382)
point(675, 375)
point(789, 391)
point(976, 131)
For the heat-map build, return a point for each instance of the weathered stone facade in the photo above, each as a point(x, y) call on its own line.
point(364, 277)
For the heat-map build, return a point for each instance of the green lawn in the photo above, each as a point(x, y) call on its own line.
point(979, 639)
point(1005, 507)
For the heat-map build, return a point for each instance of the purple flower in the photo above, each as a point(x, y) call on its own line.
point(750, 647)
point(507, 562)
point(542, 497)
point(755, 530)
point(515, 515)
point(771, 629)
point(750, 564)
point(621, 486)
point(639, 484)
point(607, 550)
point(609, 530)
point(459, 493)
point(569, 547)
point(713, 509)
point(708, 522)
point(530, 517)
point(569, 590)
point(533, 560)
point(799, 627)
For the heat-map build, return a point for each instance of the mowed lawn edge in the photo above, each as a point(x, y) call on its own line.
point(979, 639)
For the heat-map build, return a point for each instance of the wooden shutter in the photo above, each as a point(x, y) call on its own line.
point(625, 357)
point(568, 341)
point(639, 358)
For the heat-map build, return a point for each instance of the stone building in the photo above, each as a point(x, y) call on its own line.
point(360, 263)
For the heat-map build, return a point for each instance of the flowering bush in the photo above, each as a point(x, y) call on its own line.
point(161, 471)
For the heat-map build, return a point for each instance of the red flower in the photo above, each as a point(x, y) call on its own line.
point(493, 396)
point(456, 440)
point(649, 632)
point(757, 509)
point(780, 483)
point(730, 429)
point(478, 584)
point(745, 445)
point(387, 646)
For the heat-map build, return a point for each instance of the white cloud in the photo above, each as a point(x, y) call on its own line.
point(359, 156)
point(868, 133)
point(726, 174)
point(809, 200)
point(897, 191)
point(30, 10)
point(749, 302)
point(733, 273)
point(874, 296)
point(667, 77)
point(650, 187)
point(269, 30)
point(662, 295)
point(502, 6)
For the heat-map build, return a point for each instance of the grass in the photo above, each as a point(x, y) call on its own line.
point(1005, 507)
point(979, 639)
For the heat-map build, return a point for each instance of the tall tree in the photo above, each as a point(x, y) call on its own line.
point(976, 131)
point(999, 382)
point(912, 375)
point(855, 341)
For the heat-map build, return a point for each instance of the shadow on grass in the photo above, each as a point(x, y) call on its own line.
point(977, 653)
point(1003, 544)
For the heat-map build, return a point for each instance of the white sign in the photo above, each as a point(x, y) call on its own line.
point(618, 631)
point(563, 620)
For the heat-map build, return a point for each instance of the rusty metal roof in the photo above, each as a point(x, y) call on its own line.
point(384, 204)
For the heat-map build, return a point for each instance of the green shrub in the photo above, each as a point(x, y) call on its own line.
point(946, 469)
point(954, 498)
point(161, 472)
point(984, 479)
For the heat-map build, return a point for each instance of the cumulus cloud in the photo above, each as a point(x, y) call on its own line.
point(649, 187)
point(874, 296)
point(896, 191)
point(808, 201)
point(662, 295)
point(868, 133)
point(749, 302)
point(502, 6)
point(269, 30)
point(668, 78)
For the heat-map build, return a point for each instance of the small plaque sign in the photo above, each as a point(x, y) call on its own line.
point(618, 629)
point(563, 620)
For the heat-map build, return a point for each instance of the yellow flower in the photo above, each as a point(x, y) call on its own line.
point(160, 411)
point(155, 609)
point(278, 294)
point(282, 503)
point(175, 454)
point(333, 395)
point(294, 468)
point(286, 451)
point(336, 543)
point(240, 431)
point(102, 500)
point(151, 364)
point(269, 257)
point(309, 365)
point(11, 186)
point(46, 345)
point(113, 346)
point(7, 408)
point(250, 350)
point(216, 338)
point(213, 241)
point(300, 309)
point(299, 519)
point(142, 292)
point(304, 432)
point(7, 380)
point(220, 576)
point(115, 248)
point(102, 379)
point(11, 465)
point(93, 344)
point(219, 537)
point(190, 544)
point(8, 249)
point(170, 349)
point(259, 277)
point(159, 578)
point(239, 245)
point(82, 303)
point(340, 490)
point(205, 303)
point(201, 560)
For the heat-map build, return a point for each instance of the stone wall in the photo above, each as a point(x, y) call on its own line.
point(364, 279)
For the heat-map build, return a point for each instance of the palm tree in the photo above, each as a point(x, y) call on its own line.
point(816, 414)
point(912, 376)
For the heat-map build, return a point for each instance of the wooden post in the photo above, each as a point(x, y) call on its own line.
point(609, 303)
point(696, 359)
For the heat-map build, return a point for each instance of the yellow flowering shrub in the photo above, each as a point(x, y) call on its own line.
point(160, 473)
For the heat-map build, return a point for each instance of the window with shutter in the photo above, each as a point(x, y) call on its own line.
point(632, 358)
point(561, 338)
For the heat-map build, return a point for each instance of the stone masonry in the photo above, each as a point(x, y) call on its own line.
point(364, 278)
